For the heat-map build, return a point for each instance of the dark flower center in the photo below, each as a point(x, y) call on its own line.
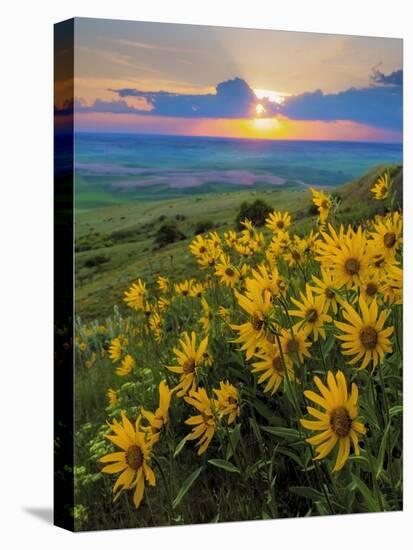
point(230, 272)
point(134, 457)
point(189, 366)
point(277, 364)
point(371, 289)
point(329, 293)
point(202, 250)
point(256, 322)
point(369, 337)
point(352, 266)
point(379, 262)
point(280, 224)
point(325, 204)
point(389, 240)
point(312, 315)
point(292, 346)
point(340, 422)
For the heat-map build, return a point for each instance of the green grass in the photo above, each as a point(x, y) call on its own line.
point(99, 288)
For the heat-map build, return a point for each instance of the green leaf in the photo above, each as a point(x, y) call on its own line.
point(224, 465)
point(367, 495)
point(235, 438)
point(186, 485)
point(255, 429)
point(307, 492)
point(216, 518)
point(180, 446)
point(382, 451)
point(285, 433)
point(263, 410)
point(397, 409)
point(287, 452)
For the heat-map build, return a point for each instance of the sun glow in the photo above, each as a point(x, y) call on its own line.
point(259, 109)
point(265, 126)
point(272, 95)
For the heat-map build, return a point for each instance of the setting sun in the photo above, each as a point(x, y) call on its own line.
point(259, 109)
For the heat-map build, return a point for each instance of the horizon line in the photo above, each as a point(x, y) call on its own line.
point(154, 134)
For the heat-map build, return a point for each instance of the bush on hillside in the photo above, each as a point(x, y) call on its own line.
point(255, 211)
point(203, 226)
point(167, 234)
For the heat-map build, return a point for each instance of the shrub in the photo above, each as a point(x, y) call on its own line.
point(255, 211)
point(167, 234)
point(313, 210)
point(203, 226)
point(94, 261)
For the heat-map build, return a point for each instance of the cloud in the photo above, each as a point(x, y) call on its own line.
point(393, 79)
point(379, 105)
point(232, 99)
point(99, 106)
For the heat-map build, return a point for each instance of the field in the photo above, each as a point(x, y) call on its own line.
point(208, 348)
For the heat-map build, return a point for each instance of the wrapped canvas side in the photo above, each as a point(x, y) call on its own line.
point(63, 274)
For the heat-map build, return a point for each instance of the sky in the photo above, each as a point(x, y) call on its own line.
point(216, 81)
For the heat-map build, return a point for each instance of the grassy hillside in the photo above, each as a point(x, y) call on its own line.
point(115, 244)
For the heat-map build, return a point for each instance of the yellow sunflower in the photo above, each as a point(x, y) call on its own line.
point(387, 236)
point(325, 288)
point(199, 246)
point(189, 358)
point(381, 187)
point(312, 310)
point(278, 221)
point(338, 423)
point(156, 324)
point(227, 401)
point(163, 304)
point(231, 238)
point(349, 260)
point(370, 287)
point(256, 304)
point(161, 416)
point(163, 284)
point(134, 297)
point(127, 366)
point(295, 254)
point(184, 287)
point(117, 348)
point(204, 423)
point(272, 366)
point(364, 335)
point(393, 284)
point(323, 203)
point(133, 461)
point(228, 274)
point(264, 278)
point(294, 343)
point(206, 318)
point(112, 397)
point(197, 289)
